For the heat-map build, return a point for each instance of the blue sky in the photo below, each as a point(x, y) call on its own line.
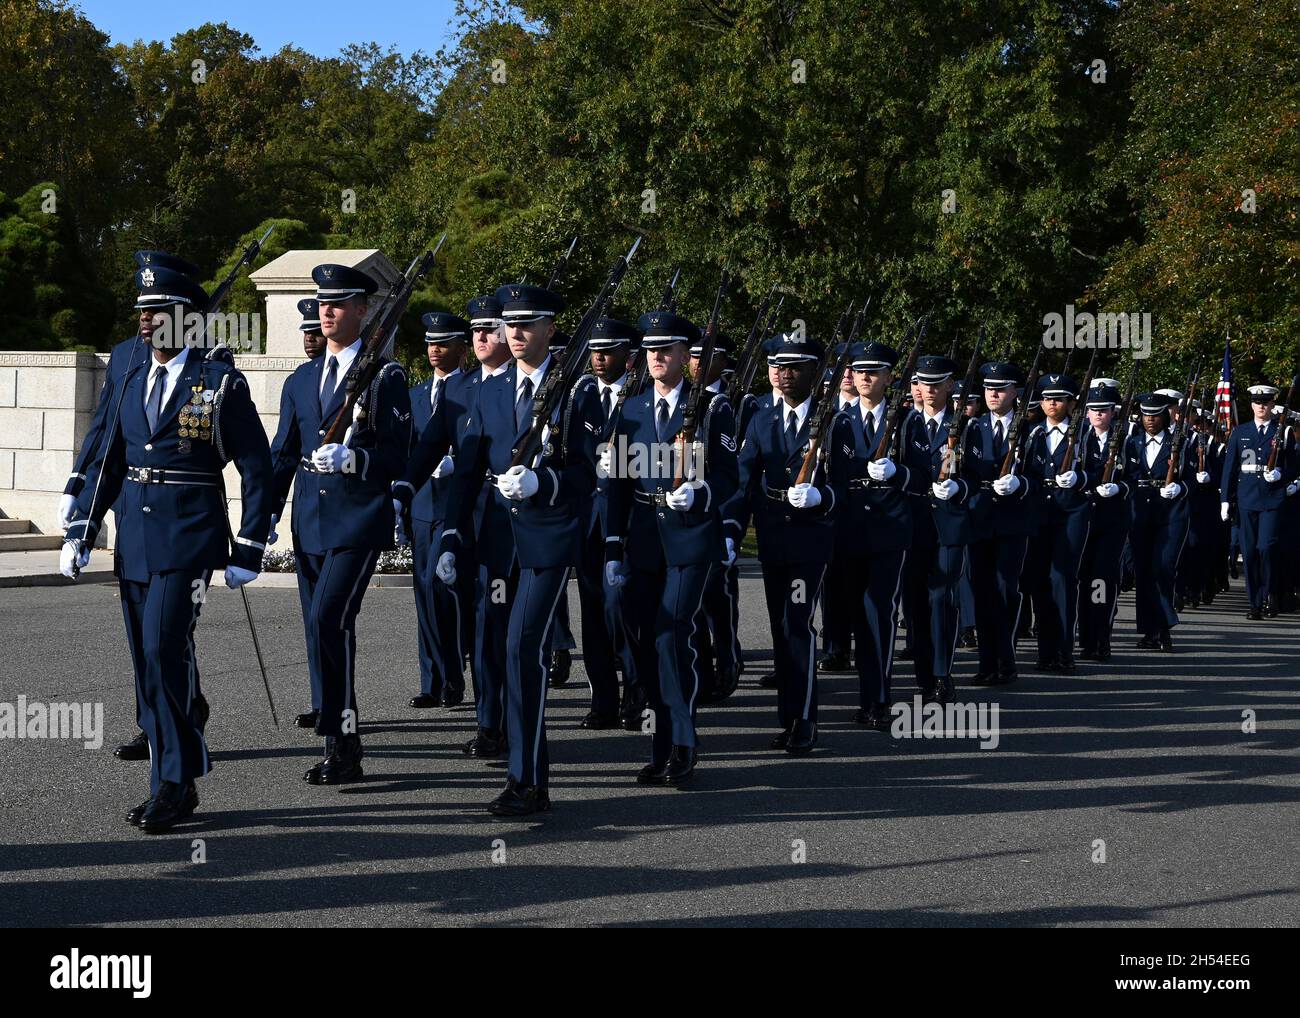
point(321, 27)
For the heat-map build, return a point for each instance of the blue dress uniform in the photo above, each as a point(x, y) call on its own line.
point(1198, 563)
point(1260, 499)
point(604, 636)
point(439, 411)
point(1159, 527)
point(668, 552)
point(1002, 525)
point(526, 562)
point(179, 425)
point(796, 541)
point(942, 532)
point(1101, 566)
point(1064, 516)
point(873, 534)
point(342, 516)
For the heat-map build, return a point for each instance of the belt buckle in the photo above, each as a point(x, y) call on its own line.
point(144, 475)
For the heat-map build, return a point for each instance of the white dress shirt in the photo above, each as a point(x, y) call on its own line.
point(1153, 444)
point(345, 358)
point(174, 367)
point(672, 398)
point(800, 413)
point(536, 377)
point(1055, 435)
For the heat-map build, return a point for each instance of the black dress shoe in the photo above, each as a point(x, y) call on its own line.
point(1148, 643)
point(803, 736)
point(1004, 678)
point(1270, 609)
point(681, 765)
point(487, 743)
point(768, 681)
point(1088, 653)
point(1255, 615)
point(1046, 665)
point(944, 690)
point(1065, 665)
point(1166, 641)
point(426, 700)
point(983, 678)
point(173, 803)
point(1180, 603)
point(520, 801)
point(342, 763)
point(133, 816)
point(307, 719)
point(1103, 652)
point(599, 722)
point(968, 640)
point(454, 698)
point(651, 774)
point(201, 712)
point(836, 662)
point(879, 717)
point(136, 749)
point(728, 679)
point(781, 741)
point(558, 673)
point(629, 716)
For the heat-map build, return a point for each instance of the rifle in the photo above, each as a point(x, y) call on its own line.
point(952, 350)
point(749, 351)
point(1118, 426)
point(1180, 433)
point(957, 426)
point(1281, 426)
point(223, 288)
point(1018, 417)
point(827, 404)
point(557, 273)
point(557, 383)
point(1076, 418)
point(896, 412)
point(639, 372)
point(751, 368)
point(377, 337)
point(691, 413)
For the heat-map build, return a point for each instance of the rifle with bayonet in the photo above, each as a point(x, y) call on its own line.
point(1076, 418)
point(828, 403)
point(691, 413)
point(1018, 417)
point(749, 352)
point(562, 266)
point(1281, 427)
point(957, 426)
point(891, 435)
point(1180, 430)
point(1119, 426)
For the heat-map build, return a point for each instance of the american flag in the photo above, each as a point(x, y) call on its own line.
point(1223, 404)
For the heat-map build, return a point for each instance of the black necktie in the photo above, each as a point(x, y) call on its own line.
point(998, 437)
point(331, 383)
point(791, 432)
point(869, 429)
point(661, 420)
point(932, 427)
point(525, 398)
point(154, 410)
point(607, 401)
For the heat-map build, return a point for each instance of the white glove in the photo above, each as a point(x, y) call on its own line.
point(517, 484)
point(605, 461)
point(334, 459)
point(1067, 479)
point(272, 537)
point(1223, 511)
point(445, 468)
point(1008, 485)
point(236, 576)
point(614, 575)
point(1108, 490)
point(446, 567)
point(69, 555)
point(1203, 477)
point(1170, 491)
point(1292, 488)
point(731, 553)
point(803, 496)
point(1273, 476)
point(67, 505)
point(881, 470)
point(681, 499)
point(943, 490)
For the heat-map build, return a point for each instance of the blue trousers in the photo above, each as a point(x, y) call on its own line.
point(1099, 582)
point(1260, 529)
point(1054, 556)
point(603, 636)
point(995, 567)
point(720, 621)
point(495, 595)
point(874, 592)
point(440, 614)
point(837, 605)
point(1157, 540)
point(338, 583)
point(663, 610)
point(532, 613)
point(792, 592)
point(160, 619)
point(304, 599)
point(931, 576)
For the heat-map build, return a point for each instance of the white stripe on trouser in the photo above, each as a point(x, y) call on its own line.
point(956, 630)
point(194, 669)
point(541, 665)
point(812, 645)
point(1071, 624)
point(1020, 597)
point(695, 654)
point(893, 624)
point(350, 644)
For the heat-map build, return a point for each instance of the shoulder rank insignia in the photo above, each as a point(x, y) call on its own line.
point(728, 442)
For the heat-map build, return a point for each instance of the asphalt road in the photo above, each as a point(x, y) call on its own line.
point(1199, 818)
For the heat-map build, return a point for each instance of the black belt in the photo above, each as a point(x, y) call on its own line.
point(777, 494)
point(862, 483)
point(157, 475)
point(1149, 484)
point(651, 497)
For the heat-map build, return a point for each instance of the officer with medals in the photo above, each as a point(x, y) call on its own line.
point(342, 512)
point(1004, 518)
point(1100, 567)
point(546, 503)
point(182, 418)
point(942, 531)
point(1259, 492)
point(719, 624)
point(605, 647)
point(124, 356)
point(795, 524)
point(874, 527)
point(439, 410)
point(662, 541)
point(1160, 519)
point(1064, 514)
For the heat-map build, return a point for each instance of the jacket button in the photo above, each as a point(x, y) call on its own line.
point(514, 510)
point(322, 491)
point(148, 447)
point(661, 516)
point(147, 509)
